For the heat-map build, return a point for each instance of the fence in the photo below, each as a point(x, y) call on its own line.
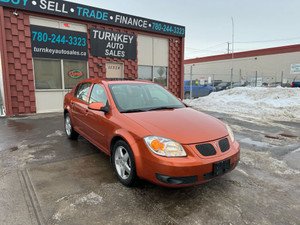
point(254, 79)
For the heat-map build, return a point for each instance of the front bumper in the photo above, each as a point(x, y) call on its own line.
point(186, 171)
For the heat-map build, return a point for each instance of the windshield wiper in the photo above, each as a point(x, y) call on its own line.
point(133, 110)
point(162, 108)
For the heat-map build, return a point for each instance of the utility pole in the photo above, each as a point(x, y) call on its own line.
point(256, 78)
point(228, 47)
point(191, 81)
point(231, 76)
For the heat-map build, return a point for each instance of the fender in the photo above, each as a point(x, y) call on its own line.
point(127, 136)
point(68, 109)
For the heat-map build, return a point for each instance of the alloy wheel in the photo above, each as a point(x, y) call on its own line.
point(122, 162)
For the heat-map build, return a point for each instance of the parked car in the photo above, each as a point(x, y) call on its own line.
point(296, 82)
point(216, 83)
point(198, 90)
point(222, 86)
point(274, 84)
point(149, 133)
point(236, 84)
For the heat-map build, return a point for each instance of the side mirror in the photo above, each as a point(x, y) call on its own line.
point(99, 106)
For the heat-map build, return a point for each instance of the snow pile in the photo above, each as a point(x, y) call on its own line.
point(261, 103)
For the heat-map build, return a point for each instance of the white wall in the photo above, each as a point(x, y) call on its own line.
point(2, 100)
point(269, 67)
point(57, 24)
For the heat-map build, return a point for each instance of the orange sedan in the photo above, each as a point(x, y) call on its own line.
point(149, 133)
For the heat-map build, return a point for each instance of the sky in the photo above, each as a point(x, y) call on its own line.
point(257, 23)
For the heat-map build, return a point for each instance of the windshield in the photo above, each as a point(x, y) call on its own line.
point(222, 84)
point(140, 97)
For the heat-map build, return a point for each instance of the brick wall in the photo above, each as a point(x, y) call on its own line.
point(175, 67)
point(19, 58)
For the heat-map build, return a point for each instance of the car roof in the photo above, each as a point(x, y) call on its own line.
point(113, 81)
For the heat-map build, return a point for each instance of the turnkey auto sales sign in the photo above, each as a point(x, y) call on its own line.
point(112, 44)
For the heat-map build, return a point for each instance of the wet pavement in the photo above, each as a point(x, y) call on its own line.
point(46, 178)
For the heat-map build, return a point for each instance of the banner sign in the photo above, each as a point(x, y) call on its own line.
point(295, 68)
point(112, 44)
point(58, 43)
point(83, 12)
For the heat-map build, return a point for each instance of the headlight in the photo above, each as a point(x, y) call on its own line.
point(230, 133)
point(164, 146)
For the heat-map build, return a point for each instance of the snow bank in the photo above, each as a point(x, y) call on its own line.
point(261, 103)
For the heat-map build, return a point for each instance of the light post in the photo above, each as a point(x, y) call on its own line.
point(191, 82)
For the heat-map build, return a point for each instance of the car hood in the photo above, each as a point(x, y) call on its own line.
point(184, 125)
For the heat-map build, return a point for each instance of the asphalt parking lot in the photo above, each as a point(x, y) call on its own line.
point(47, 179)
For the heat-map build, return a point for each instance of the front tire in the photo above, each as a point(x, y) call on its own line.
point(124, 164)
point(70, 132)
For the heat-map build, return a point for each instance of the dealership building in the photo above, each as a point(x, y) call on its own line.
point(48, 46)
point(279, 65)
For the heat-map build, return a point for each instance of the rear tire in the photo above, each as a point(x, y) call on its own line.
point(70, 132)
point(124, 164)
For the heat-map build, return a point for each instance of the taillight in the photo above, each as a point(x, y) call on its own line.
point(292, 84)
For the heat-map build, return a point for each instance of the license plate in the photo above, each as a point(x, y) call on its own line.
point(221, 167)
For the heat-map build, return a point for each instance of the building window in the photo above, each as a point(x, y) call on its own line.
point(145, 73)
point(74, 71)
point(157, 74)
point(47, 74)
point(160, 75)
point(153, 54)
point(58, 74)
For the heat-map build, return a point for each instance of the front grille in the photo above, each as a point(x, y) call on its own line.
point(224, 144)
point(206, 149)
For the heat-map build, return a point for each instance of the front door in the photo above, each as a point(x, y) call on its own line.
point(97, 122)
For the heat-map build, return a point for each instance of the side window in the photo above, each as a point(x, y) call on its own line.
point(82, 91)
point(98, 94)
point(196, 83)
